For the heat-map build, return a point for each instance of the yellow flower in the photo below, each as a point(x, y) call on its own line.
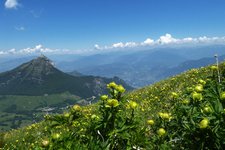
point(204, 123)
point(66, 115)
point(165, 115)
point(202, 82)
point(197, 96)
point(76, 108)
point(112, 85)
point(151, 122)
point(207, 109)
point(112, 103)
point(174, 95)
point(133, 104)
point(213, 68)
point(45, 143)
point(199, 88)
point(55, 136)
point(161, 132)
point(222, 96)
point(120, 89)
point(104, 97)
point(94, 117)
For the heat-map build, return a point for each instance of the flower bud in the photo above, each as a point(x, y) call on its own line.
point(204, 123)
point(161, 132)
point(150, 122)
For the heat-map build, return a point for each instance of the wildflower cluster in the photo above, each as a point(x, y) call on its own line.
point(171, 114)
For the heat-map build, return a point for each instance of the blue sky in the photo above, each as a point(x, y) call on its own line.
point(81, 24)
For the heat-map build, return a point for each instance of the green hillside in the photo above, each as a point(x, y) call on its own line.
point(31, 89)
point(182, 112)
point(39, 76)
point(17, 111)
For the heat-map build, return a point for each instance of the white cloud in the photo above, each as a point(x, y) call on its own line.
point(39, 49)
point(97, 46)
point(118, 45)
point(165, 40)
point(11, 4)
point(21, 28)
point(148, 41)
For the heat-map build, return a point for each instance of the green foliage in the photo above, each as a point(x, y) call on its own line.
point(18, 111)
point(183, 112)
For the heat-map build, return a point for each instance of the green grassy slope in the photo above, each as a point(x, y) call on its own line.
point(182, 112)
point(18, 111)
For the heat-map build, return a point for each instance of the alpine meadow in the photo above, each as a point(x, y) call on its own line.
point(112, 75)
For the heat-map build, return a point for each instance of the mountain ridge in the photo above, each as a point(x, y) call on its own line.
point(39, 76)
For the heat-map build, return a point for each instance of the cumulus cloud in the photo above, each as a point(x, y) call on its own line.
point(40, 49)
point(165, 40)
point(148, 41)
point(11, 4)
point(30, 50)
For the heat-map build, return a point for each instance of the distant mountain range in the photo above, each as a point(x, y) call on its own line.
point(39, 77)
point(141, 68)
point(136, 67)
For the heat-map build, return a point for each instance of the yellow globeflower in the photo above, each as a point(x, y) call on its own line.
point(76, 108)
point(207, 109)
point(204, 123)
point(120, 89)
point(67, 115)
point(161, 132)
point(112, 103)
point(133, 104)
point(112, 85)
point(199, 88)
point(151, 122)
point(197, 96)
point(104, 97)
point(222, 96)
point(55, 136)
point(165, 115)
point(174, 95)
point(202, 82)
point(214, 68)
point(45, 143)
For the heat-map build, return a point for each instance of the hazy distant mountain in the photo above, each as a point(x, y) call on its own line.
point(39, 76)
point(136, 67)
point(75, 73)
point(12, 62)
point(190, 64)
point(146, 67)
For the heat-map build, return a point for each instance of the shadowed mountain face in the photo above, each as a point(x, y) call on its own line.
point(39, 76)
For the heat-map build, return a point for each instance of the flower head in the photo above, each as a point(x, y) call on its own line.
point(197, 96)
point(112, 85)
point(199, 88)
point(104, 97)
point(204, 123)
point(45, 143)
point(120, 89)
point(214, 68)
point(150, 122)
point(161, 132)
point(133, 104)
point(112, 103)
point(76, 108)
